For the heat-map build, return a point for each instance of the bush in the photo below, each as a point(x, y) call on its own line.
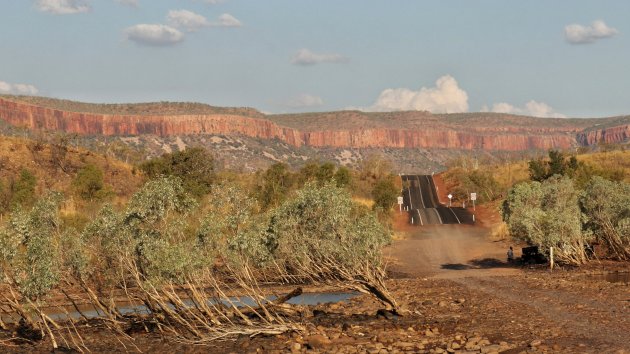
point(23, 190)
point(275, 185)
point(607, 204)
point(150, 235)
point(462, 182)
point(194, 166)
point(322, 235)
point(557, 164)
point(385, 193)
point(88, 183)
point(547, 215)
point(29, 247)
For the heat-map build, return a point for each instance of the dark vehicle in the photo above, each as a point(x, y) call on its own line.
point(531, 255)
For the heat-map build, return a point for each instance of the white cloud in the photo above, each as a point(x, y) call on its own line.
point(192, 22)
point(445, 97)
point(578, 34)
point(62, 7)
point(154, 35)
point(187, 20)
point(304, 101)
point(227, 20)
point(18, 89)
point(131, 3)
point(213, 2)
point(532, 108)
point(306, 57)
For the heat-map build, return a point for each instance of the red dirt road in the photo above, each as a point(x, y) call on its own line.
point(565, 309)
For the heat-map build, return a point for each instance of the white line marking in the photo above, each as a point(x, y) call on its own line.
point(409, 191)
point(455, 215)
point(439, 217)
point(420, 189)
point(420, 216)
point(431, 186)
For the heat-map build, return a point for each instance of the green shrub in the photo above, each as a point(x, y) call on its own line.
point(194, 166)
point(607, 205)
point(385, 193)
point(547, 215)
point(324, 222)
point(30, 247)
point(23, 190)
point(89, 184)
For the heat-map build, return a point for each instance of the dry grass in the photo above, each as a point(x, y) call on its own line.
point(363, 201)
point(499, 232)
point(610, 160)
point(17, 154)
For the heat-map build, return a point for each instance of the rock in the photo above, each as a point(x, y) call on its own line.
point(296, 347)
point(427, 303)
point(317, 341)
point(428, 333)
point(535, 343)
point(455, 345)
point(483, 342)
point(474, 339)
point(494, 348)
point(442, 303)
point(460, 301)
point(556, 347)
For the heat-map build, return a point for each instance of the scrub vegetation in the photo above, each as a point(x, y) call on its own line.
point(185, 242)
point(577, 203)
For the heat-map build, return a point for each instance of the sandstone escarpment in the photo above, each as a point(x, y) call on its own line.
point(400, 130)
point(609, 135)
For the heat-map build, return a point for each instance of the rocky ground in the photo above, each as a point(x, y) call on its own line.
point(459, 296)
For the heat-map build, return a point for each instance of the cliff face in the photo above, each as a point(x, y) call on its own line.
point(420, 135)
point(605, 135)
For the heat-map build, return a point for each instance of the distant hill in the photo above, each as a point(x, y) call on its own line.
point(343, 136)
point(141, 109)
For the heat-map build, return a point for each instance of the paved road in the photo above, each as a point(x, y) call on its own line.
point(421, 200)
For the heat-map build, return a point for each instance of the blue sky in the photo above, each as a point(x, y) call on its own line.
point(545, 58)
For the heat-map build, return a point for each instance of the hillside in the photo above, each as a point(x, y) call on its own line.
point(54, 170)
point(415, 140)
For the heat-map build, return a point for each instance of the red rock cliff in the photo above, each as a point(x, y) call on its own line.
point(419, 136)
point(615, 134)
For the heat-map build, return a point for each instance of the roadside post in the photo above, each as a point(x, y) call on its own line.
point(400, 203)
point(551, 258)
point(473, 197)
point(450, 197)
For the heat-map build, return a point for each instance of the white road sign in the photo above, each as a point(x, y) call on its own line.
point(473, 196)
point(400, 200)
point(450, 196)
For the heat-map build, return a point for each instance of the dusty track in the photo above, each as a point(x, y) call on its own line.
point(584, 316)
point(447, 251)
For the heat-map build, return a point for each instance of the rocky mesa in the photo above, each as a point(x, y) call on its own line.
point(344, 129)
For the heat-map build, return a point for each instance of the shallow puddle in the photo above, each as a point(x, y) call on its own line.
point(243, 301)
point(613, 277)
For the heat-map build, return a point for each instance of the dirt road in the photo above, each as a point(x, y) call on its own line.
point(564, 308)
point(449, 251)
